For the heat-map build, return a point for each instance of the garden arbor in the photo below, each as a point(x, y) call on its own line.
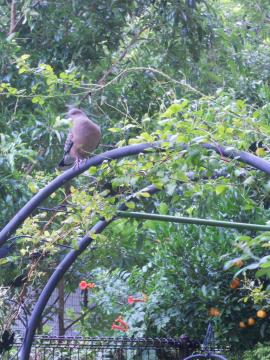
point(83, 243)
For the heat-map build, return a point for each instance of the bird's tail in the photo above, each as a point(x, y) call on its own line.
point(66, 161)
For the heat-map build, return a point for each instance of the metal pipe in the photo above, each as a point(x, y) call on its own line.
point(44, 193)
point(70, 258)
point(60, 180)
point(58, 274)
point(191, 220)
point(210, 356)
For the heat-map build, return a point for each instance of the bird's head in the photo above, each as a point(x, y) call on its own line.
point(74, 112)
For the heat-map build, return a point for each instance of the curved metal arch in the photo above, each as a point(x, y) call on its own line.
point(59, 272)
point(129, 150)
point(69, 259)
point(210, 356)
point(60, 180)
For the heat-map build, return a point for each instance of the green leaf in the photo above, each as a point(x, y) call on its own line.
point(220, 189)
point(175, 108)
point(4, 261)
point(115, 130)
point(163, 208)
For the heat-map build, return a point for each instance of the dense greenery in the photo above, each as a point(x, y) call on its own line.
point(189, 72)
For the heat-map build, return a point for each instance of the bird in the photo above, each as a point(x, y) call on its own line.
point(7, 341)
point(83, 137)
point(256, 146)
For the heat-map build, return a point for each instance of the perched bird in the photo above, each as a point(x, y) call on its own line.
point(256, 147)
point(7, 341)
point(84, 136)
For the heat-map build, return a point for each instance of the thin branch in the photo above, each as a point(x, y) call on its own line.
point(155, 71)
point(13, 23)
point(93, 306)
point(13, 12)
point(121, 57)
point(56, 208)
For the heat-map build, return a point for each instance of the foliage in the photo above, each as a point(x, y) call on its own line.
point(261, 351)
point(183, 72)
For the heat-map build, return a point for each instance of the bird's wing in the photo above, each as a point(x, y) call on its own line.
point(68, 144)
point(67, 160)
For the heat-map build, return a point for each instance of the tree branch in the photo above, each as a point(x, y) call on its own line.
point(13, 13)
point(13, 23)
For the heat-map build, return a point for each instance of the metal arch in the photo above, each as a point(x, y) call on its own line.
point(57, 275)
point(60, 180)
point(69, 259)
point(32, 204)
point(210, 356)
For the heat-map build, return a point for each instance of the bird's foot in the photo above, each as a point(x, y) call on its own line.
point(78, 162)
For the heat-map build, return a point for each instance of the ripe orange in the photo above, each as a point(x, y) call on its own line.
point(235, 283)
point(242, 325)
point(261, 314)
point(214, 311)
point(238, 263)
point(251, 321)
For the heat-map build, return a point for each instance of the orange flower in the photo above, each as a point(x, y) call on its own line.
point(118, 327)
point(145, 297)
point(132, 299)
point(83, 285)
point(251, 321)
point(123, 325)
point(238, 263)
point(261, 314)
point(214, 312)
point(235, 283)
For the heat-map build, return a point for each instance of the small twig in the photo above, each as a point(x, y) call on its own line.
point(107, 146)
point(64, 202)
point(93, 306)
point(55, 208)
point(121, 57)
point(155, 71)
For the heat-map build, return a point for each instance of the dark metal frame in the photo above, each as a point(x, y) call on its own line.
point(57, 275)
point(191, 220)
point(59, 347)
point(18, 219)
point(70, 258)
point(210, 356)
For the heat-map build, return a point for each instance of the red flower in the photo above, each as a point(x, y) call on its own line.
point(132, 300)
point(118, 327)
point(83, 285)
point(123, 325)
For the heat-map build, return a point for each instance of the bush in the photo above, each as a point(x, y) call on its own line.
point(260, 351)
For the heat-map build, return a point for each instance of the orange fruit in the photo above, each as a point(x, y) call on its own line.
point(214, 311)
point(251, 321)
point(261, 314)
point(235, 283)
point(238, 263)
point(242, 325)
